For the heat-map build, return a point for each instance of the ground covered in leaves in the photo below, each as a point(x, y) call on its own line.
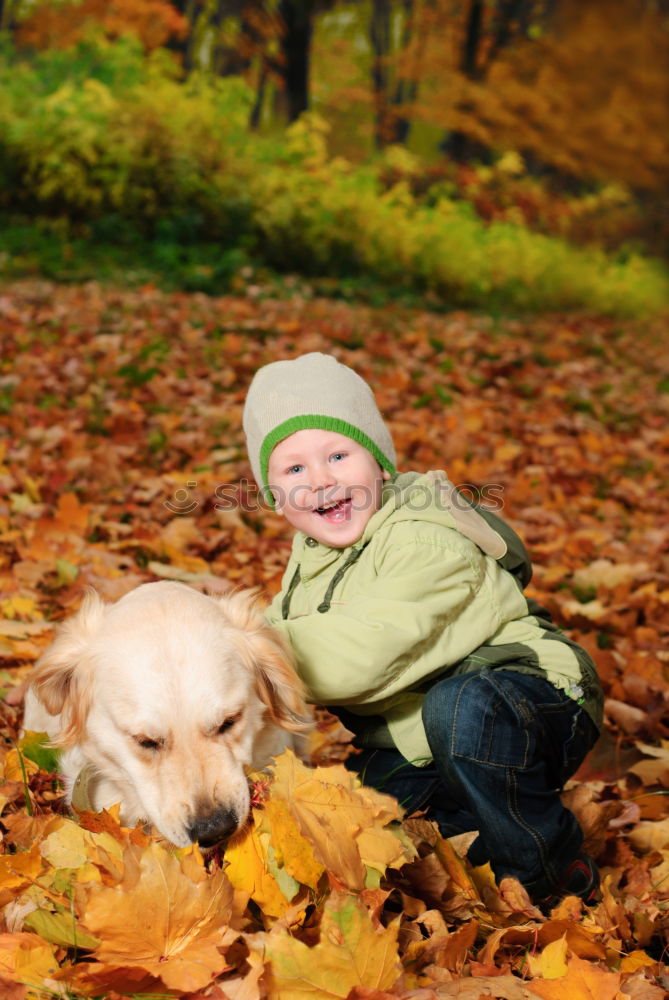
point(121, 461)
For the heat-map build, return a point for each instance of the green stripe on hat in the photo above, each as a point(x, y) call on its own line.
point(315, 421)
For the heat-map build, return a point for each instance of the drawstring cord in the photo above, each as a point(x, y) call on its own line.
point(327, 600)
point(285, 604)
point(324, 606)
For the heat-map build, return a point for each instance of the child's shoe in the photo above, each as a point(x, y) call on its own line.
point(580, 878)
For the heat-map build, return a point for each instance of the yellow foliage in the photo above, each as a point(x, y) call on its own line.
point(582, 981)
point(351, 953)
point(307, 139)
point(248, 871)
point(293, 851)
point(70, 846)
point(344, 821)
point(26, 958)
point(552, 962)
point(17, 767)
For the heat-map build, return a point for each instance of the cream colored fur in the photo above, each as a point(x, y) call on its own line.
point(172, 696)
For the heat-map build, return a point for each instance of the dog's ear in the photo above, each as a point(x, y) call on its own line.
point(277, 683)
point(60, 679)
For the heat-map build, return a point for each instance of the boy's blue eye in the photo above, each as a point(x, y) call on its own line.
point(338, 456)
point(295, 468)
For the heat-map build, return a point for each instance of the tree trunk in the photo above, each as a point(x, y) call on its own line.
point(469, 63)
point(256, 110)
point(513, 18)
point(8, 12)
point(297, 18)
point(509, 11)
point(184, 46)
point(457, 145)
point(379, 35)
point(407, 87)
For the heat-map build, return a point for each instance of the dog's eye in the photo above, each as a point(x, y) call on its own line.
point(228, 723)
point(146, 743)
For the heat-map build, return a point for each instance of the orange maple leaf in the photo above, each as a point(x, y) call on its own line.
point(583, 981)
point(160, 920)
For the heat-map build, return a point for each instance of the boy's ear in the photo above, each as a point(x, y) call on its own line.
point(385, 474)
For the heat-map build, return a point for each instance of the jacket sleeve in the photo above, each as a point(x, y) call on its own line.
point(372, 646)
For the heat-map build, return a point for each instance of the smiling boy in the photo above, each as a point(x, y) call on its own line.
point(404, 607)
point(326, 485)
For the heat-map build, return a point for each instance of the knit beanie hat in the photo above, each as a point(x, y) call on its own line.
point(312, 391)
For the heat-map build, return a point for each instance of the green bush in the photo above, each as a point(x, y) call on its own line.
point(102, 147)
point(141, 145)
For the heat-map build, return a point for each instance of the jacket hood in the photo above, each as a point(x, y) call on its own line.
point(432, 497)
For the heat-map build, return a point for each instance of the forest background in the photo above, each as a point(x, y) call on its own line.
point(490, 152)
point(466, 202)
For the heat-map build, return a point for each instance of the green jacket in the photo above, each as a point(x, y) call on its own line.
point(432, 588)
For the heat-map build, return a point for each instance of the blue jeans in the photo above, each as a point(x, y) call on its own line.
point(504, 743)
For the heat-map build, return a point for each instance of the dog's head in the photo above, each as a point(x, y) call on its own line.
point(172, 696)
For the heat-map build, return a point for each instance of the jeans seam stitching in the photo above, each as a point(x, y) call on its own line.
point(533, 832)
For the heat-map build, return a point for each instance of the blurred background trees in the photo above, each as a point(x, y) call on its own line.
point(546, 114)
point(579, 89)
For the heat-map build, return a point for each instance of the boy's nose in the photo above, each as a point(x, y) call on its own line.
point(322, 477)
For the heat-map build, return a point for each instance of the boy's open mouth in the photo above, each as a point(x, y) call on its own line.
point(335, 511)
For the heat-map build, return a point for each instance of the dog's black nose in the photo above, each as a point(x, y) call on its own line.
point(213, 828)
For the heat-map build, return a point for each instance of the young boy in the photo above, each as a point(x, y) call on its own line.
point(405, 610)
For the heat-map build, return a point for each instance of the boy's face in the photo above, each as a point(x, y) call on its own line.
point(326, 485)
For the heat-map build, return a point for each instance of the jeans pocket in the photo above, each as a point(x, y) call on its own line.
point(494, 723)
point(569, 734)
point(578, 744)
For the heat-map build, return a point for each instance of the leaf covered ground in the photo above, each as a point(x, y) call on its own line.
point(121, 461)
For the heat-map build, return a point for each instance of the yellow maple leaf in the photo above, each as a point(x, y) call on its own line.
point(351, 952)
point(335, 812)
point(69, 846)
point(160, 920)
point(552, 962)
point(381, 849)
point(26, 958)
point(636, 960)
point(583, 981)
point(18, 767)
point(59, 928)
point(293, 851)
point(248, 871)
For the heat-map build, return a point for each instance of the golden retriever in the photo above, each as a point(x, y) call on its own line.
point(162, 702)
